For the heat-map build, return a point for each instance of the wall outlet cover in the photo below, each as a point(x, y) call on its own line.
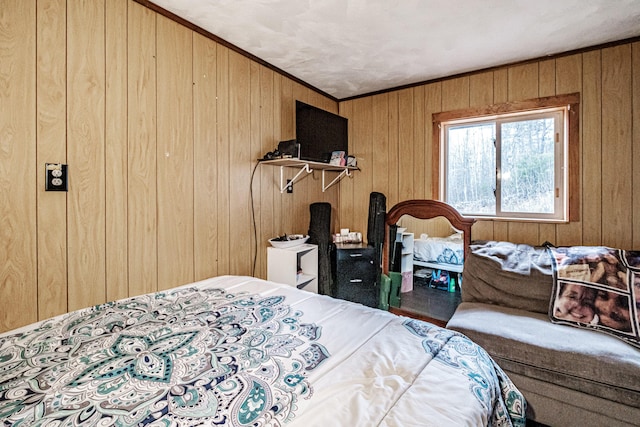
point(56, 178)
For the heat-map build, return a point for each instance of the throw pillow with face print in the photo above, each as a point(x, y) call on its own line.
point(595, 287)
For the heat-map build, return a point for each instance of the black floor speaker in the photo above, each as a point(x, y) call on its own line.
point(320, 234)
point(377, 214)
point(375, 229)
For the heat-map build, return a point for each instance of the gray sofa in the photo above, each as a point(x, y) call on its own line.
point(569, 376)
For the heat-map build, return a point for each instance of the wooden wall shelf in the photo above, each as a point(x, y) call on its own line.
point(308, 167)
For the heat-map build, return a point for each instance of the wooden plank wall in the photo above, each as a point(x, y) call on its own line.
point(395, 150)
point(18, 194)
point(161, 128)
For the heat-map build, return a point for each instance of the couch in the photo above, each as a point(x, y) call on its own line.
point(570, 376)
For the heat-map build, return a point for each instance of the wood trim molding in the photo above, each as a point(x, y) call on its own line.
point(435, 161)
point(508, 107)
point(574, 162)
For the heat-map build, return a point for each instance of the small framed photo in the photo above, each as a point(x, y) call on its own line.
point(338, 158)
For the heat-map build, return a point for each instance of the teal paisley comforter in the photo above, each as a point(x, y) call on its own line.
point(239, 351)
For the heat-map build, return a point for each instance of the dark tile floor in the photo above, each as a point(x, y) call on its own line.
point(435, 303)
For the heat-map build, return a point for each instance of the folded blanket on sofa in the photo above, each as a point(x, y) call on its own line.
point(508, 274)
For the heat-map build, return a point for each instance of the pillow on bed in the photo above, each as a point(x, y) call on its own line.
point(597, 287)
point(508, 274)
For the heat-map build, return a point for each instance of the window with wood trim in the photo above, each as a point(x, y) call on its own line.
point(512, 161)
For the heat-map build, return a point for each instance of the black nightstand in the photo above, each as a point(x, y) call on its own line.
point(355, 273)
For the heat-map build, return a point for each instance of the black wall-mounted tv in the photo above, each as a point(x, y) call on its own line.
point(320, 133)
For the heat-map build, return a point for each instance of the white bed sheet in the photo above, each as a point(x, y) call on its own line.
point(322, 362)
point(442, 250)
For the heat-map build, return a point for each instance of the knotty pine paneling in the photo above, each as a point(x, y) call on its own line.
point(433, 103)
point(380, 151)
point(174, 153)
point(569, 80)
point(116, 150)
point(393, 165)
point(419, 147)
point(455, 93)
point(85, 153)
point(617, 150)
point(18, 251)
point(141, 151)
point(608, 84)
point(406, 143)
point(635, 173)
point(241, 159)
point(591, 109)
point(51, 148)
point(263, 190)
point(523, 82)
point(205, 125)
point(161, 128)
point(257, 146)
point(547, 78)
point(500, 85)
point(223, 159)
point(481, 89)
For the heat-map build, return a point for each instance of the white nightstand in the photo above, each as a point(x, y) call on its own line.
point(296, 266)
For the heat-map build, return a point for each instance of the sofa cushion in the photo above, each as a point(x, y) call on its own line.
point(508, 274)
point(593, 288)
point(528, 344)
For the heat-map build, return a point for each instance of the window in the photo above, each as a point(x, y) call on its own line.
point(510, 161)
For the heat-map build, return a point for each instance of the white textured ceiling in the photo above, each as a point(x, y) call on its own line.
point(353, 47)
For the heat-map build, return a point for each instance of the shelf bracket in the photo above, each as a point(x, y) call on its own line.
point(284, 184)
point(345, 172)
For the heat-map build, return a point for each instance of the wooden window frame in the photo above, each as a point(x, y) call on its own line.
point(572, 101)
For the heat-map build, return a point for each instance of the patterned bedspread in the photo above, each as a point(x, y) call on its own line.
point(237, 351)
point(444, 250)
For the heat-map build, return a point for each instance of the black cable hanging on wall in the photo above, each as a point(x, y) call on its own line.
point(253, 218)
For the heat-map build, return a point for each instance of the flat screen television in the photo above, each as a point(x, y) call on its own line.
point(319, 133)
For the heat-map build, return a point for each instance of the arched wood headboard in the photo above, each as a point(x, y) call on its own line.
point(425, 209)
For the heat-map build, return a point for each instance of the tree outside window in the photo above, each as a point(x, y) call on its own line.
point(510, 165)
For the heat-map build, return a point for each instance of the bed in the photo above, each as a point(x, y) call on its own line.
point(236, 351)
point(439, 253)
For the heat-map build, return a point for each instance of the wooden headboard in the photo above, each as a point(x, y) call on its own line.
point(425, 209)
